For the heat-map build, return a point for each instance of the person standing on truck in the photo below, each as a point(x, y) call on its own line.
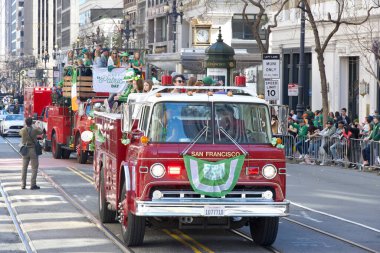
point(29, 137)
point(104, 57)
point(137, 63)
point(16, 108)
point(113, 60)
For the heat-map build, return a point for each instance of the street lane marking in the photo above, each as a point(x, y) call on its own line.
point(85, 177)
point(178, 238)
point(188, 238)
point(336, 217)
point(306, 216)
point(82, 173)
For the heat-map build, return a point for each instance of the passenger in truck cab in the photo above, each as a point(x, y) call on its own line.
point(173, 128)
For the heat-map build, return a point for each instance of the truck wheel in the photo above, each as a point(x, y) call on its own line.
point(106, 216)
point(264, 230)
point(46, 145)
point(82, 155)
point(133, 230)
point(66, 153)
point(56, 149)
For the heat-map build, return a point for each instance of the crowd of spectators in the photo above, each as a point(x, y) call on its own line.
point(341, 139)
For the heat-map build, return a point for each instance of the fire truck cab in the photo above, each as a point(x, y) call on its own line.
point(197, 160)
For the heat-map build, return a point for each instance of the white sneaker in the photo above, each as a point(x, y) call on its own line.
point(322, 164)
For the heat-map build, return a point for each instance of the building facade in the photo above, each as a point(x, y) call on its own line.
point(348, 59)
point(15, 29)
point(99, 22)
point(178, 42)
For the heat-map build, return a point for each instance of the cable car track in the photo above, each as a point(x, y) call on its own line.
point(124, 248)
point(25, 239)
point(272, 249)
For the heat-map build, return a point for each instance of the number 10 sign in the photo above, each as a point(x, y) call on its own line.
point(272, 89)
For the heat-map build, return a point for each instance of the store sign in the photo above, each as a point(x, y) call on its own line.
point(31, 73)
point(106, 81)
point(271, 66)
point(292, 89)
point(219, 75)
point(272, 89)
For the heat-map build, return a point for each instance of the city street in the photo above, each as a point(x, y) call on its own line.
point(333, 210)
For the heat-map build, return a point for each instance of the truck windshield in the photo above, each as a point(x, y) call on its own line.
point(245, 123)
point(180, 122)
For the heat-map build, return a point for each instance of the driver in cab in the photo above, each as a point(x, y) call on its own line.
point(225, 121)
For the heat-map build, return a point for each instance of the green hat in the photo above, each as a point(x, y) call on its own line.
point(208, 80)
point(124, 54)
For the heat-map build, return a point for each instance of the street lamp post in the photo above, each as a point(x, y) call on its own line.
point(126, 30)
point(174, 14)
point(45, 58)
point(57, 54)
point(301, 75)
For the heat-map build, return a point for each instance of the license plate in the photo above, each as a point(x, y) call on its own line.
point(214, 211)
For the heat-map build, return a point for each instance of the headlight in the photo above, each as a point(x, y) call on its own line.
point(157, 170)
point(269, 171)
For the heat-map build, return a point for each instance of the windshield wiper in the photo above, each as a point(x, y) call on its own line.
point(196, 138)
point(233, 140)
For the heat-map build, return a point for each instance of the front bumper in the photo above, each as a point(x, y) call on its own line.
point(11, 131)
point(197, 209)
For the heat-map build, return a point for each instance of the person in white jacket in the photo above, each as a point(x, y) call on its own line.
point(326, 133)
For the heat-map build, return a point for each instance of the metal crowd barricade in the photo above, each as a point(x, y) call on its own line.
point(374, 151)
point(289, 144)
point(355, 152)
point(332, 149)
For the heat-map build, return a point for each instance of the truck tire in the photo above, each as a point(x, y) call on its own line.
point(82, 155)
point(56, 149)
point(133, 231)
point(106, 215)
point(66, 153)
point(264, 230)
point(46, 146)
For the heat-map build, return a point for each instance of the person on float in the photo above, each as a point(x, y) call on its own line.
point(148, 85)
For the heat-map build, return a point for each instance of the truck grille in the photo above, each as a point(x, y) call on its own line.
point(15, 127)
point(238, 196)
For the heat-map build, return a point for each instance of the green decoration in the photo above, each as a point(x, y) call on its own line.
point(213, 178)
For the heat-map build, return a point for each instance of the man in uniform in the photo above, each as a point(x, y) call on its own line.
point(29, 137)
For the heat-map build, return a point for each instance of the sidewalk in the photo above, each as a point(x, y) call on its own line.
point(51, 223)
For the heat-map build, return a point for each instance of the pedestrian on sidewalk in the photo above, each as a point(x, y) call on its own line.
point(28, 137)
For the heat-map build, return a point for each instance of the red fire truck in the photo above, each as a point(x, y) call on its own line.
point(64, 126)
point(64, 130)
point(35, 100)
point(198, 160)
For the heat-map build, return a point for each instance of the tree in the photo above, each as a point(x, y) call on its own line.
point(367, 43)
point(330, 23)
point(262, 20)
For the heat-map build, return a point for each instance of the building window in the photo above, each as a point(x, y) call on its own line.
point(161, 29)
point(242, 30)
point(151, 31)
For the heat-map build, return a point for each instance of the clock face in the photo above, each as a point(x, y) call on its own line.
point(203, 35)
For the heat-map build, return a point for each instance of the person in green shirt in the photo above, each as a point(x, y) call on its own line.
point(137, 63)
point(374, 136)
point(301, 136)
